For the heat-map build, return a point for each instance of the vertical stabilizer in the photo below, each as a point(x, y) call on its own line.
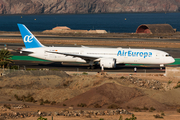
point(29, 39)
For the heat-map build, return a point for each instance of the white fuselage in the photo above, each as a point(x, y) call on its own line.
point(122, 55)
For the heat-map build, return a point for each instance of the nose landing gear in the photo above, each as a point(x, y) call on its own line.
point(161, 66)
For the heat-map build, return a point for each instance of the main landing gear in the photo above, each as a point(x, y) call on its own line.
point(93, 65)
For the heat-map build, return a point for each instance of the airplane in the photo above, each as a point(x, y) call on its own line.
point(106, 57)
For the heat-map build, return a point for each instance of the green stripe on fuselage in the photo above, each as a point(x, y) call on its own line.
point(28, 58)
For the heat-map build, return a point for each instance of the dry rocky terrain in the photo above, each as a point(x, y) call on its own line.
point(86, 6)
point(31, 94)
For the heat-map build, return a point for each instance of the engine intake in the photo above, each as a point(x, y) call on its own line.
point(108, 62)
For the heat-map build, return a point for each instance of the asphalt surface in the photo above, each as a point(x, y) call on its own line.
point(85, 67)
point(55, 37)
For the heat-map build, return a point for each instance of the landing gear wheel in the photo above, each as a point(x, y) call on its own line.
point(91, 67)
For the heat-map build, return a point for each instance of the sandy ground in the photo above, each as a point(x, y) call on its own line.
point(76, 88)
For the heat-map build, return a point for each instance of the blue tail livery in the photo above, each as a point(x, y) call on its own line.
point(29, 39)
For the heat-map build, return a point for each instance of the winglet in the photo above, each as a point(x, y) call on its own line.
point(29, 39)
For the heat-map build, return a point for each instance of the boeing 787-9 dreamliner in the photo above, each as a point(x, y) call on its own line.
point(106, 57)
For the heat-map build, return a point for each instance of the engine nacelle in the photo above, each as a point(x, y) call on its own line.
point(108, 62)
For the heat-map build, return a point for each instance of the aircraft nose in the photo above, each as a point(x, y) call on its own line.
point(172, 60)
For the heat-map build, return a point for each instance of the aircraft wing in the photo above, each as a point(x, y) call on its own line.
point(85, 57)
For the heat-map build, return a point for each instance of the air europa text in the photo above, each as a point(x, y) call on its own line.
point(134, 54)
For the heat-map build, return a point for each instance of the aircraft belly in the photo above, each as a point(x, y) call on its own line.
point(138, 60)
point(151, 61)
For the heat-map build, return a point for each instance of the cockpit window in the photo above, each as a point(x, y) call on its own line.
point(167, 55)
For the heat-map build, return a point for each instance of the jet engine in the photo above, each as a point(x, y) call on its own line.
point(108, 62)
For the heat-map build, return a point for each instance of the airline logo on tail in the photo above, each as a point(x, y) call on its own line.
point(28, 38)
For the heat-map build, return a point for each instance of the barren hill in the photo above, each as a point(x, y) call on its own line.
point(112, 94)
point(105, 94)
point(86, 6)
point(93, 91)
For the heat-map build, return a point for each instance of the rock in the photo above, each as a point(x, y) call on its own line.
point(39, 112)
point(21, 116)
point(15, 113)
point(29, 115)
point(98, 113)
point(111, 112)
point(56, 113)
point(141, 84)
point(49, 113)
point(105, 112)
point(44, 114)
point(71, 108)
point(87, 6)
point(88, 114)
point(80, 114)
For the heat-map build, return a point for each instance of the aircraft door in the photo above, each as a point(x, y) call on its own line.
point(81, 52)
point(157, 56)
point(45, 54)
